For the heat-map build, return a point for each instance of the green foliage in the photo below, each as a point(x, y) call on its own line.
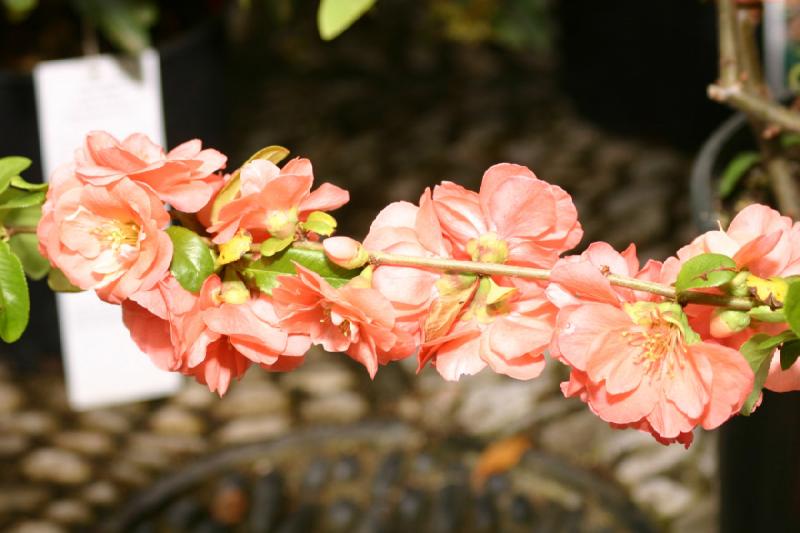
point(735, 171)
point(265, 271)
point(125, 23)
point(758, 353)
point(58, 282)
point(26, 248)
point(18, 10)
point(764, 313)
point(706, 270)
point(791, 306)
point(20, 207)
point(789, 139)
point(274, 154)
point(789, 352)
point(273, 245)
point(320, 223)
point(192, 261)
point(11, 167)
point(335, 16)
point(14, 299)
point(14, 198)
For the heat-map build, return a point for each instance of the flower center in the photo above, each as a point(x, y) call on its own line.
point(118, 234)
point(490, 301)
point(488, 248)
point(660, 341)
point(282, 224)
point(338, 321)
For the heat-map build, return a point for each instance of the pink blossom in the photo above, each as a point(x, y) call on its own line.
point(405, 229)
point(758, 238)
point(516, 218)
point(275, 199)
point(353, 319)
point(635, 361)
point(500, 326)
point(185, 177)
point(109, 239)
point(638, 365)
point(213, 337)
point(767, 244)
point(501, 322)
point(154, 318)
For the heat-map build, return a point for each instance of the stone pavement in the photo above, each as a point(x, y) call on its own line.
point(65, 470)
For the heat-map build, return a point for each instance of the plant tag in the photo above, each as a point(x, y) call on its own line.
point(122, 96)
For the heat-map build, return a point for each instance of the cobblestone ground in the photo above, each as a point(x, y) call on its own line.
point(64, 470)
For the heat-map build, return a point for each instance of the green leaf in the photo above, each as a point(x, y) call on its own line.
point(14, 198)
point(706, 270)
point(125, 23)
point(320, 223)
point(192, 261)
point(274, 154)
point(18, 10)
point(13, 165)
point(789, 353)
point(335, 16)
point(791, 306)
point(10, 167)
point(735, 171)
point(757, 351)
point(15, 303)
point(26, 248)
point(273, 245)
point(22, 217)
point(790, 139)
point(764, 313)
point(265, 271)
point(20, 183)
point(58, 282)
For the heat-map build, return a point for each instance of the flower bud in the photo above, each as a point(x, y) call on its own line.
point(726, 322)
point(234, 292)
point(738, 285)
point(345, 252)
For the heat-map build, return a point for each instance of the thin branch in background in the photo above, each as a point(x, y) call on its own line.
point(741, 86)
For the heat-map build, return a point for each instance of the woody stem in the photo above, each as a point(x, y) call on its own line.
point(15, 230)
point(493, 269)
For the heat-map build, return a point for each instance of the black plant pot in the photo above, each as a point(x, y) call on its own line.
point(760, 454)
point(192, 78)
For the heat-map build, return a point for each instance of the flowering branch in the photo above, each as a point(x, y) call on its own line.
point(243, 270)
point(493, 269)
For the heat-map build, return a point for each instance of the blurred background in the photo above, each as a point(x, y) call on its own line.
point(606, 99)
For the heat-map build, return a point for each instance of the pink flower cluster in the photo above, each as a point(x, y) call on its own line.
point(635, 358)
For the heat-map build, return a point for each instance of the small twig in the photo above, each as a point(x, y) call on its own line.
point(494, 269)
point(11, 231)
point(543, 274)
point(756, 106)
point(728, 64)
point(784, 186)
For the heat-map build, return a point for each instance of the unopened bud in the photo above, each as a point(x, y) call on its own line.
point(346, 252)
point(726, 322)
point(234, 292)
point(738, 285)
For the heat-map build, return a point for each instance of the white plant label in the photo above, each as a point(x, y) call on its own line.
point(122, 96)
